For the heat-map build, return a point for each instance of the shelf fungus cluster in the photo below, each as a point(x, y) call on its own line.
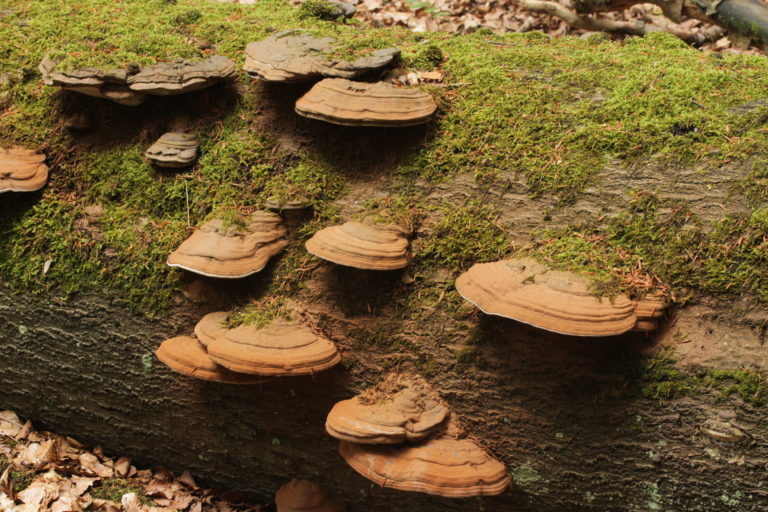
point(297, 56)
point(396, 435)
point(345, 102)
point(278, 349)
point(562, 302)
point(174, 150)
point(132, 86)
point(232, 249)
point(248, 354)
point(305, 496)
point(363, 245)
point(22, 170)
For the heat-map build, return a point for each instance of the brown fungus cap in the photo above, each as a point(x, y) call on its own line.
point(445, 467)
point(185, 355)
point(398, 409)
point(279, 349)
point(296, 56)
point(305, 496)
point(649, 311)
point(181, 76)
point(362, 245)
point(22, 170)
point(174, 150)
point(211, 326)
point(297, 203)
point(111, 84)
point(530, 292)
point(339, 101)
point(219, 249)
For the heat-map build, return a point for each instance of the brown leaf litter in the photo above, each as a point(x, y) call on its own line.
point(43, 471)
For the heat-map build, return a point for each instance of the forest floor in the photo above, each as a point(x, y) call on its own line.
point(500, 16)
point(42, 471)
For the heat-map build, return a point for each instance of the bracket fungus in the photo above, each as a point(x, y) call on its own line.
point(185, 355)
point(232, 250)
point(293, 210)
point(22, 170)
point(530, 292)
point(175, 149)
point(296, 56)
point(278, 349)
point(211, 326)
point(398, 409)
point(111, 84)
point(454, 468)
point(339, 101)
point(649, 311)
point(305, 496)
point(362, 245)
point(181, 76)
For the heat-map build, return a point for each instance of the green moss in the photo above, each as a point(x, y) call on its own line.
point(320, 9)
point(464, 236)
point(20, 480)
point(660, 379)
point(552, 111)
point(428, 57)
point(113, 489)
point(670, 244)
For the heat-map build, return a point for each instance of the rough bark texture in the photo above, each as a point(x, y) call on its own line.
point(560, 412)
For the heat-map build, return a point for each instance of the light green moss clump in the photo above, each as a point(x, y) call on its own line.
point(660, 379)
point(549, 110)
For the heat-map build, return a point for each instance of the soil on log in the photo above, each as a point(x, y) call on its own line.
point(560, 412)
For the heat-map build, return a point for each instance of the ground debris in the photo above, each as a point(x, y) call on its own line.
point(42, 471)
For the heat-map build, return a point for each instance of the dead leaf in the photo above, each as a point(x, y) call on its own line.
point(29, 456)
point(186, 479)
point(122, 467)
point(10, 424)
point(105, 506)
point(131, 503)
point(432, 76)
point(91, 466)
point(81, 484)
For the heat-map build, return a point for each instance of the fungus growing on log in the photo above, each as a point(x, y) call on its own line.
point(296, 56)
point(185, 355)
point(22, 170)
point(111, 84)
point(398, 409)
point(530, 292)
point(649, 311)
point(293, 210)
point(344, 102)
point(181, 76)
point(362, 245)
point(232, 249)
point(211, 326)
point(445, 467)
point(279, 349)
point(175, 149)
point(305, 496)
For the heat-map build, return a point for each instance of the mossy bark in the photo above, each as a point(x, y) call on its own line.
point(564, 414)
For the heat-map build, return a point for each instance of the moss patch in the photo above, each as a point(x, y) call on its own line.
point(661, 379)
point(113, 489)
point(549, 110)
point(661, 241)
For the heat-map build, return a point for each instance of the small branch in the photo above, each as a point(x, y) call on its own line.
point(635, 28)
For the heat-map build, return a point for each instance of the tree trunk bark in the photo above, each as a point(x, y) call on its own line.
point(563, 414)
